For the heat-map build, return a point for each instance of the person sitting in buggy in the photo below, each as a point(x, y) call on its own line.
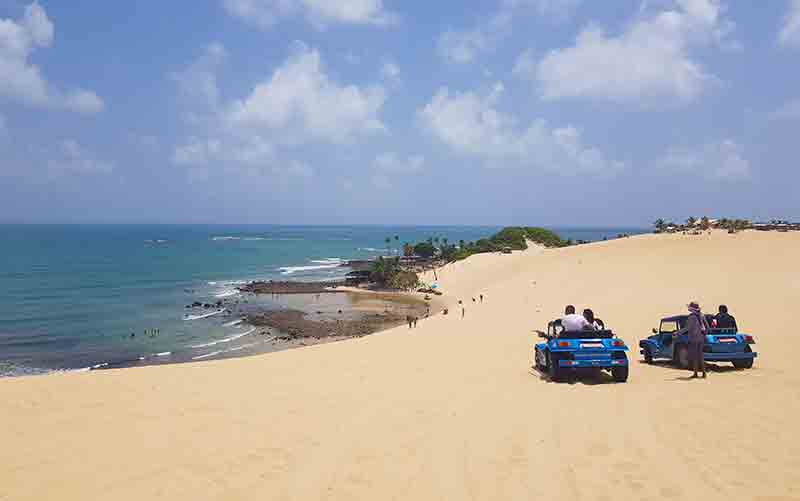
point(594, 323)
point(572, 322)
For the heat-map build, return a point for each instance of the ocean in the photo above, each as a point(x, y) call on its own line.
point(76, 297)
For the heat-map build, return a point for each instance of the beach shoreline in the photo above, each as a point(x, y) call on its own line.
point(452, 409)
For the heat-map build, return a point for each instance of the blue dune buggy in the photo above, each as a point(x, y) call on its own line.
point(565, 353)
point(671, 342)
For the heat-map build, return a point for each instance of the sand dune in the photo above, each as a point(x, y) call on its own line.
point(451, 410)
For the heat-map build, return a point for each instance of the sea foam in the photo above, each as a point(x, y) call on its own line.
point(224, 340)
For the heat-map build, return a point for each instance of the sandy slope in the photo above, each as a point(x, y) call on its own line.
point(452, 409)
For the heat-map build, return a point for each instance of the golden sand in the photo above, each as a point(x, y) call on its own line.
point(451, 410)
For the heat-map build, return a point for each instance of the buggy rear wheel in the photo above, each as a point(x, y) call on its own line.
point(555, 371)
point(620, 374)
point(538, 360)
point(746, 363)
point(648, 355)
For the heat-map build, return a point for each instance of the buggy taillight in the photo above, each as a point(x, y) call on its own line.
point(563, 344)
point(618, 342)
point(749, 339)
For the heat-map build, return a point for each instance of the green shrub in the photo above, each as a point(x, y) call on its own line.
point(424, 249)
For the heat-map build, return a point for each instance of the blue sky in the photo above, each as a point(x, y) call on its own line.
point(560, 112)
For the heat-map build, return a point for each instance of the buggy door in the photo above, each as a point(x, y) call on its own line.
point(665, 338)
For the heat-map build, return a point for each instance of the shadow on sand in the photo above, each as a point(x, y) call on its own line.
point(585, 377)
point(711, 368)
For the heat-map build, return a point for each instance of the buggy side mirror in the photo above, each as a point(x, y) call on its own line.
point(655, 331)
point(542, 334)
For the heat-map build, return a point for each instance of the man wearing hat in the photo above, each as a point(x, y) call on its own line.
point(697, 326)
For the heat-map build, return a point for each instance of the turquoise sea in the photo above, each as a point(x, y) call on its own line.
point(82, 296)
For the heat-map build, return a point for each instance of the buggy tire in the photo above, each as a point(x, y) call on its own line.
point(556, 374)
point(620, 374)
point(746, 363)
point(682, 356)
point(648, 355)
point(537, 355)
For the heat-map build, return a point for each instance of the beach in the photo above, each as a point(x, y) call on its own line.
point(451, 409)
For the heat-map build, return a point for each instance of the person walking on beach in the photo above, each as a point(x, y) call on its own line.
point(463, 311)
point(415, 322)
point(481, 296)
point(697, 326)
point(410, 320)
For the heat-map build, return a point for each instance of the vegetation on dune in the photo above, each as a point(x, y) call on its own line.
point(512, 237)
point(703, 224)
point(389, 272)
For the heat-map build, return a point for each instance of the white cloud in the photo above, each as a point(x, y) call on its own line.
point(298, 104)
point(198, 82)
point(196, 152)
point(392, 163)
point(721, 160)
point(265, 13)
point(649, 61)
point(20, 80)
point(301, 103)
point(557, 9)
point(390, 73)
point(789, 110)
point(72, 158)
point(790, 32)
point(462, 46)
point(525, 66)
point(470, 125)
point(83, 101)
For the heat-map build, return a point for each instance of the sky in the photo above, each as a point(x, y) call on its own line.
point(535, 112)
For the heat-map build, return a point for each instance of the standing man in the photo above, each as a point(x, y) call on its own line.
point(696, 329)
point(481, 298)
point(725, 320)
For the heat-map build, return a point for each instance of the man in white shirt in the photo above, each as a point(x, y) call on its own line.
point(573, 322)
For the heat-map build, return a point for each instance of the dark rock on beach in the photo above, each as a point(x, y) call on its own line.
point(295, 324)
point(273, 287)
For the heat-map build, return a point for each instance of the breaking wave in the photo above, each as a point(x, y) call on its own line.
point(224, 340)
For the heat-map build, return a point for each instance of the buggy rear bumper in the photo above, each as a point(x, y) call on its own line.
point(588, 363)
point(727, 357)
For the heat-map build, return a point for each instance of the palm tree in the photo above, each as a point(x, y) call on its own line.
point(461, 244)
point(444, 241)
point(388, 241)
point(659, 224)
point(690, 221)
point(408, 249)
point(397, 242)
point(436, 240)
point(705, 223)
